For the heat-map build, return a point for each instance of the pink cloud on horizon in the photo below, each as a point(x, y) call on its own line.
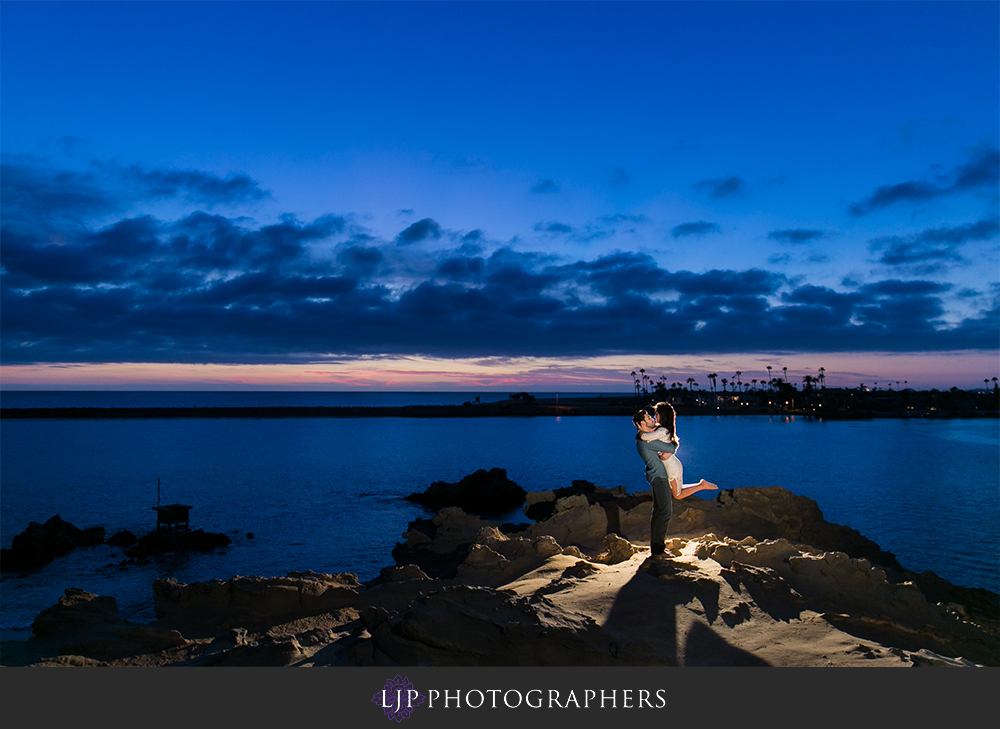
point(965, 370)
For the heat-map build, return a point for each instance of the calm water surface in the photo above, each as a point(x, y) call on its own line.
point(324, 494)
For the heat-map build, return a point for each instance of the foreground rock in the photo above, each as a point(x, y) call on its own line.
point(577, 588)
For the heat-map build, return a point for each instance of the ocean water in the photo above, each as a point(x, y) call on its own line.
point(325, 494)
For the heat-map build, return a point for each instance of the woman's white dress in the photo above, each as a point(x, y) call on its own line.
point(675, 469)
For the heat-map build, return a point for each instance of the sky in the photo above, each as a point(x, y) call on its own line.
point(497, 196)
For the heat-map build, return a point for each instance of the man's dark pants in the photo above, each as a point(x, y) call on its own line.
point(663, 505)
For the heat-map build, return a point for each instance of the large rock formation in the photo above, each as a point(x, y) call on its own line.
point(39, 544)
point(242, 601)
point(741, 584)
point(161, 541)
point(482, 492)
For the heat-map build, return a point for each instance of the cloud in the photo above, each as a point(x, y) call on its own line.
point(212, 287)
point(981, 171)
point(419, 231)
point(795, 235)
point(887, 195)
point(29, 188)
point(698, 228)
point(722, 187)
point(620, 218)
point(461, 268)
point(553, 228)
point(197, 187)
point(360, 260)
point(933, 244)
point(545, 186)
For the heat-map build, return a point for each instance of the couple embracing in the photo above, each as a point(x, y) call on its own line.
point(657, 442)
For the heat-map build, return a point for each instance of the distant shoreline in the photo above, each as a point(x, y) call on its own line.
point(553, 407)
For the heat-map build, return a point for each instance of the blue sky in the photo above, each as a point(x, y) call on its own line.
point(505, 194)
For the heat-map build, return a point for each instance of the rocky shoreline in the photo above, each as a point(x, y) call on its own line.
point(753, 577)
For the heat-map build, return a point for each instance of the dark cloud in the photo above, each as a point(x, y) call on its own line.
point(620, 218)
point(553, 228)
point(421, 230)
point(41, 195)
point(939, 245)
point(981, 171)
point(198, 187)
point(30, 189)
point(895, 287)
point(360, 260)
point(545, 186)
point(727, 283)
point(619, 274)
point(700, 227)
point(216, 243)
point(795, 235)
point(887, 195)
point(460, 268)
point(506, 305)
point(721, 187)
point(215, 288)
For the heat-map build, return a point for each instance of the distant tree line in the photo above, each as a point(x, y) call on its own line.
point(813, 396)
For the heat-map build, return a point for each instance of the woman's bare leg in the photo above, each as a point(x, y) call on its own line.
point(692, 488)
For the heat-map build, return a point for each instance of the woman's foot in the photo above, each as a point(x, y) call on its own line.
point(702, 485)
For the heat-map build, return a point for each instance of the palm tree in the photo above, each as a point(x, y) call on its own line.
point(754, 381)
point(822, 377)
point(785, 370)
point(691, 383)
point(738, 383)
point(724, 382)
point(712, 378)
point(635, 381)
point(769, 374)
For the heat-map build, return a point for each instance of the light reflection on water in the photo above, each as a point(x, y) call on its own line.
point(325, 494)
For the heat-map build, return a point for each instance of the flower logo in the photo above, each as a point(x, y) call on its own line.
point(398, 698)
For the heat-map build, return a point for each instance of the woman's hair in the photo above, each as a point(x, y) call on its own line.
point(667, 418)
